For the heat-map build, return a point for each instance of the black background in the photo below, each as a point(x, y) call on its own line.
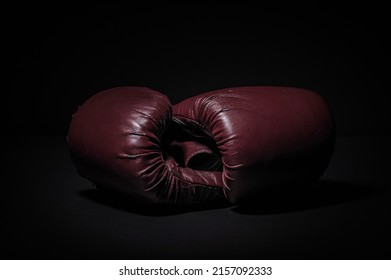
point(56, 56)
point(60, 55)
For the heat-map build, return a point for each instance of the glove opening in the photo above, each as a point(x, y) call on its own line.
point(192, 148)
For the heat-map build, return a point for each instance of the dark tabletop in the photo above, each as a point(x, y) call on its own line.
point(49, 212)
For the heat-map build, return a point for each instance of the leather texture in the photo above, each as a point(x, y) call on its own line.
point(117, 140)
point(264, 137)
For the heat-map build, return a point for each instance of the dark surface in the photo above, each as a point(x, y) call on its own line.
point(49, 212)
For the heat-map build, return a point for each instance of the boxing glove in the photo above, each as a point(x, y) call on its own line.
point(120, 139)
point(265, 138)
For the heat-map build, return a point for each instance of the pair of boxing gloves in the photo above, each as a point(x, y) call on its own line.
point(233, 144)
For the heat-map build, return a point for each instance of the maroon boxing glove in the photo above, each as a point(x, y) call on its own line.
point(117, 140)
point(266, 137)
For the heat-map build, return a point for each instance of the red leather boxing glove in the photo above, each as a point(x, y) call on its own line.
point(266, 137)
point(117, 140)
